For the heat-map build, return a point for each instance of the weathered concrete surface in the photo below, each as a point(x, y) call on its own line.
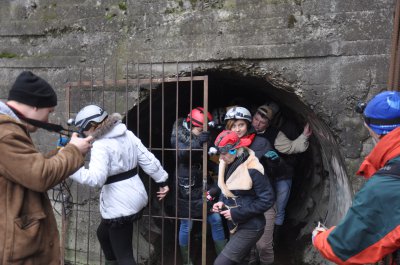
point(327, 54)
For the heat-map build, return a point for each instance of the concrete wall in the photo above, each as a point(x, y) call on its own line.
point(331, 53)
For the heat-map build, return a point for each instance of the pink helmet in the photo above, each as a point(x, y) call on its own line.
point(196, 117)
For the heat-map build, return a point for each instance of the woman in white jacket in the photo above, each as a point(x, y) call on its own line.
point(115, 156)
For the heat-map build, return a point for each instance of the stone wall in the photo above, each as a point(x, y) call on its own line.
point(332, 53)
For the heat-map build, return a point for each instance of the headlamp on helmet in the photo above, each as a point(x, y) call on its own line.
point(238, 113)
point(88, 116)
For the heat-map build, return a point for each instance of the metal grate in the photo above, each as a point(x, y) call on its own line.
point(150, 97)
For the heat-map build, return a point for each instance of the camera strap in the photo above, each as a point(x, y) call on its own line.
point(40, 124)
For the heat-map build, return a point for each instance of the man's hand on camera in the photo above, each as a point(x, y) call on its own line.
point(83, 144)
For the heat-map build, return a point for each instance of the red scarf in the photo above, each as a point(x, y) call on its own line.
point(386, 149)
point(249, 136)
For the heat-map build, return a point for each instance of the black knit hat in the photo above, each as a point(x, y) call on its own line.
point(33, 90)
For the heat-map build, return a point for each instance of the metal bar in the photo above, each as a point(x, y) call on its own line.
point(64, 221)
point(396, 68)
point(172, 217)
point(104, 85)
point(90, 190)
point(394, 49)
point(162, 160)
point(91, 87)
point(190, 160)
point(176, 162)
point(150, 107)
point(77, 186)
point(121, 83)
point(126, 96)
point(172, 149)
point(138, 101)
point(115, 84)
point(204, 232)
point(103, 106)
point(150, 144)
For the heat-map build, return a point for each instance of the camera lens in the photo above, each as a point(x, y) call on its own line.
point(360, 107)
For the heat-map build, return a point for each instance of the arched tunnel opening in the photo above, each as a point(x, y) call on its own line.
point(320, 189)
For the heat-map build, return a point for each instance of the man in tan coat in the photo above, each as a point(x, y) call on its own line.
point(28, 229)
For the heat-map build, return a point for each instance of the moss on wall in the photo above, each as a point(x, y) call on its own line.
point(7, 55)
point(291, 21)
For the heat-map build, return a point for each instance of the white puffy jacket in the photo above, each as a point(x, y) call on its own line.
point(117, 151)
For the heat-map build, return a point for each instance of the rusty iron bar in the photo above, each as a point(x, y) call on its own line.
point(190, 157)
point(162, 160)
point(104, 85)
point(90, 190)
point(137, 131)
point(122, 82)
point(138, 100)
point(394, 67)
point(176, 164)
point(205, 173)
point(150, 146)
point(126, 95)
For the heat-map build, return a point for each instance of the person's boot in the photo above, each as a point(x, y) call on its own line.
point(253, 256)
point(185, 255)
point(277, 234)
point(219, 245)
point(111, 262)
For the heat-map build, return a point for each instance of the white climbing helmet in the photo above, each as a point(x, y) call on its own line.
point(88, 115)
point(238, 113)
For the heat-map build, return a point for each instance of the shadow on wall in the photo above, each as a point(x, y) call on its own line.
point(320, 190)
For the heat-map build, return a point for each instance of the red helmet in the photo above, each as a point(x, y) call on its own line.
point(196, 117)
point(228, 140)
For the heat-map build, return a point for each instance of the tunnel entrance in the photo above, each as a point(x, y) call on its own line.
point(151, 104)
point(320, 191)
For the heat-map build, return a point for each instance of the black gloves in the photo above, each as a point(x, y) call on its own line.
point(204, 137)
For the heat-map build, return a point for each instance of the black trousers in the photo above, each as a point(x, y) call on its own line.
point(116, 241)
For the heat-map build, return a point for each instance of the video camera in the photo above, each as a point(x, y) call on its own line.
point(360, 107)
point(64, 138)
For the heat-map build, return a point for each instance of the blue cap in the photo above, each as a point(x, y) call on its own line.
point(382, 113)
